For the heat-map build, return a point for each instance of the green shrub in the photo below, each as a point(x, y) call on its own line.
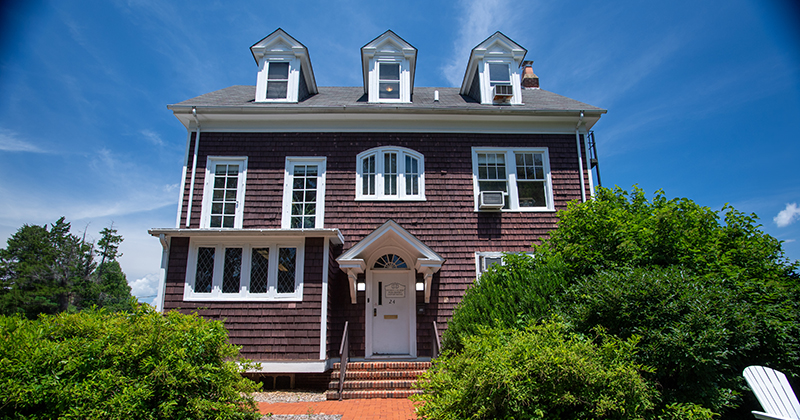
point(698, 333)
point(137, 365)
point(506, 296)
point(540, 372)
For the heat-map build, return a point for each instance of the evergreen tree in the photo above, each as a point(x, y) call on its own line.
point(51, 270)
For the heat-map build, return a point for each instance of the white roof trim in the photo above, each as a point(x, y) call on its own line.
point(334, 234)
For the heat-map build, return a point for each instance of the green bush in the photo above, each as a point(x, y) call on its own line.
point(137, 365)
point(540, 372)
point(506, 296)
point(699, 333)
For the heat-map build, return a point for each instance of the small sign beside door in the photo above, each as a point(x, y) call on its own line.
point(394, 290)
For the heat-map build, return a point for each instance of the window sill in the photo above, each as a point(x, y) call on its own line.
point(527, 210)
point(240, 298)
point(389, 199)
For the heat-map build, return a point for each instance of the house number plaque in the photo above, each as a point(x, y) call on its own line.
point(394, 290)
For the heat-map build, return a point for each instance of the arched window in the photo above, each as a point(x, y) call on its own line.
point(390, 261)
point(390, 173)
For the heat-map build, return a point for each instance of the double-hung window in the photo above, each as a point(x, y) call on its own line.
point(390, 173)
point(223, 194)
point(277, 80)
point(245, 271)
point(521, 175)
point(304, 193)
point(389, 81)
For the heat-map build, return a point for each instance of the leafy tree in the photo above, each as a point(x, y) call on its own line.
point(708, 293)
point(541, 372)
point(51, 270)
point(127, 365)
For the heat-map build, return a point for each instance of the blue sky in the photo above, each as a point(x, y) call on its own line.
point(703, 98)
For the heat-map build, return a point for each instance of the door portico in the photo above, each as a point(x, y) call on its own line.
point(390, 259)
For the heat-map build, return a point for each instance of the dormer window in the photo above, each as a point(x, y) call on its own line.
point(388, 64)
point(493, 75)
point(277, 80)
point(389, 80)
point(285, 73)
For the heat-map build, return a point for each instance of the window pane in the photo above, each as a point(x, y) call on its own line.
point(529, 166)
point(490, 261)
point(389, 90)
point(368, 175)
point(204, 272)
point(531, 194)
point(304, 196)
point(278, 71)
point(224, 195)
point(232, 271)
point(286, 269)
point(390, 173)
point(259, 270)
point(389, 71)
point(277, 90)
point(499, 74)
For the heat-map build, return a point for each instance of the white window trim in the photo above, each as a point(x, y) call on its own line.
point(511, 174)
point(487, 94)
point(288, 177)
point(292, 86)
point(378, 152)
point(374, 82)
point(244, 285)
point(211, 162)
point(480, 256)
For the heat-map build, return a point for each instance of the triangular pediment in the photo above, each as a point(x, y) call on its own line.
point(390, 238)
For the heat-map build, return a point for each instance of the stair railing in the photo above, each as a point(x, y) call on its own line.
point(344, 358)
point(437, 345)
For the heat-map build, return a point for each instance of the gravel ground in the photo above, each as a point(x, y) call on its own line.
point(289, 396)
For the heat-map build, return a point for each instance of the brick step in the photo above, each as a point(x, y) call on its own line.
point(361, 394)
point(385, 366)
point(378, 374)
point(374, 384)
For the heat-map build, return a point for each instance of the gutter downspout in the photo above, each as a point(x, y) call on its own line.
point(183, 177)
point(164, 263)
point(194, 167)
point(580, 157)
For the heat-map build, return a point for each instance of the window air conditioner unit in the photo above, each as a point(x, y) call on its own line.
point(503, 92)
point(492, 200)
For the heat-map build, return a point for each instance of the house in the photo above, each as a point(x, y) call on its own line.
point(305, 207)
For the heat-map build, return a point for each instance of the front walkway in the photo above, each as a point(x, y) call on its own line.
point(366, 409)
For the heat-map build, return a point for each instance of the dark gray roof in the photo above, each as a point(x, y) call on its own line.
point(354, 98)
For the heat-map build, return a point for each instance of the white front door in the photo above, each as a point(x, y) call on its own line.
point(391, 325)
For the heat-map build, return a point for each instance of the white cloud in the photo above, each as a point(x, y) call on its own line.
point(788, 241)
point(482, 18)
point(145, 287)
point(153, 137)
point(788, 215)
point(9, 142)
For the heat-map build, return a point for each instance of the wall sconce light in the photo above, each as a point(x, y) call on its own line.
point(361, 286)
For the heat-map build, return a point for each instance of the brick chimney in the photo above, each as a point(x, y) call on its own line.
point(529, 79)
